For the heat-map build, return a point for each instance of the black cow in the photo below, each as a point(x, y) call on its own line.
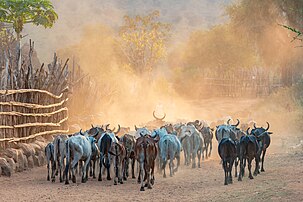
point(227, 151)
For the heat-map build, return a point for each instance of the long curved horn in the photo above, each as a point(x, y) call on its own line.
point(136, 128)
point(154, 115)
point(92, 126)
point(237, 123)
point(267, 126)
point(117, 130)
point(81, 132)
point(255, 126)
point(228, 121)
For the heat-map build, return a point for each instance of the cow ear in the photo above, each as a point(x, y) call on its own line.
point(270, 133)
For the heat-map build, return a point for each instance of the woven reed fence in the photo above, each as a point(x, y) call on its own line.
point(38, 120)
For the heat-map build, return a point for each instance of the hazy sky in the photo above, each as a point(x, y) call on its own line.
point(185, 16)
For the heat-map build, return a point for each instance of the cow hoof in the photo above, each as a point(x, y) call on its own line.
point(66, 182)
point(225, 183)
point(125, 178)
point(199, 166)
point(152, 181)
point(262, 170)
point(193, 166)
point(115, 183)
point(74, 179)
point(258, 172)
point(94, 177)
point(149, 187)
point(133, 177)
point(109, 178)
point(48, 179)
point(99, 179)
point(83, 181)
point(142, 189)
point(61, 180)
point(53, 180)
point(164, 176)
point(146, 185)
point(251, 177)
point(239, 179)
point(255, 174)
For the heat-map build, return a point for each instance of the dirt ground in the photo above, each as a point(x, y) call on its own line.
point(282, 181)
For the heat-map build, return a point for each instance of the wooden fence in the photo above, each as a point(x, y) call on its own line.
point(22, 121)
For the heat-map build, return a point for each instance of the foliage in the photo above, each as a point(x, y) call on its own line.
point(143, 41)
point(19, 12)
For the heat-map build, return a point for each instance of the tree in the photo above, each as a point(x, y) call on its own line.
point(143, 41)
point(17, 13)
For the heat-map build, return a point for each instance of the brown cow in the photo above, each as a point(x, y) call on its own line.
point(119, 153)
point(146, 153)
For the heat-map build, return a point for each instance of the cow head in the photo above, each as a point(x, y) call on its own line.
point(141, 132)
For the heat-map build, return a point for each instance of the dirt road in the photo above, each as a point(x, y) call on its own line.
point(282, 181)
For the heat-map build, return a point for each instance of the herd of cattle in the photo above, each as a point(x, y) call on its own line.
point(153, 148)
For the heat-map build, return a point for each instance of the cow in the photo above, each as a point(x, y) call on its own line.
point(207, 134)
point(78, 148)
point(129, 142)
point(169, 149)
point(193, 145)
point(263, 137)
point(248, 148)
point(228, 152)
point(49, 154)
point(104, 145)
point(119, 153)
point(59, 155)
point(146, 153)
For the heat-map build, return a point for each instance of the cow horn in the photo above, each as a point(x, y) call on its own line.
point(237, 123)
point(81, 132)
point(247, 131)
point(267, 126)
point(157, 117)
point(255, 126)
point(106, 127)
point(117, 130)
point(92, 126)
point(136, 128)
point(228, 121)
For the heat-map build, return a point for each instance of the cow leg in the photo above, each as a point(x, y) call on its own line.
point(171, 167)
point(163, 167)
point(142, 175)
point(100, 168)
point(94, 169)
point(58, 162)
point(225, 171)
point(240, 169)
point(206, 151)
point(236, 165)
point(85, 170)
point(148, 178)
point(60, 169)
point(121, 169)
point(73, 165)
point(263, 156)
point(244, 159)
point(256, 172)
point(133, 168)
point(199, 157)
point(90, 169)
point(48, 178)
point(194, 160)
point(249, 168)
point(231, 162)
point(178, 162)
point(152, 180)
point(210, 148)
point(108, 168)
